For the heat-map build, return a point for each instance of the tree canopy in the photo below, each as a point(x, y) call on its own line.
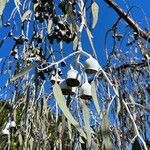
point(57, 94)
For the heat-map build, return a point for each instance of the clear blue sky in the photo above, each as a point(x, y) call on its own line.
point(106, 18)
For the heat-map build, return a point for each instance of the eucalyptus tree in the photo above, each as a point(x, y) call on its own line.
point(57, 95)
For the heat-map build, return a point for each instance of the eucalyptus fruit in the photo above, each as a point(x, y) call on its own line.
point(66, 90)
point(55, 78)
point(73, 77)
point(91, 65)
point(85, 91)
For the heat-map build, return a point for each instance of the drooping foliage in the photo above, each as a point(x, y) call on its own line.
point(57, 95)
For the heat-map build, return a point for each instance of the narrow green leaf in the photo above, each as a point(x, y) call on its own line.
point(90, 39)
point(75, 43)
point(131, 98)
point(94, 145)
point(118, 138)
point(72, 19)
point(62, 104)
point(118, 106)
point(95, 11)
point(25, 15)
point(22, 72)
point(69, 130)
point(2, 7)
point(49, 25)
point(26, 102)
point(31, 141)
point(81, 140)
point(106, 133)
point(95, 99)
point(20, 139)
point(86, 118)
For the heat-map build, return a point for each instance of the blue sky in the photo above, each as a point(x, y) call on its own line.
point(107, 16)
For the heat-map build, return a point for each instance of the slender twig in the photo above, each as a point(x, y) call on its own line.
point(58, 62)
point(139, 105)
point(133, 139)
point(126, 106)
point(128, 19)
point(135, 126)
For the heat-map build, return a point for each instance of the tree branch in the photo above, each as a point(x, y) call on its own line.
point(115, 88)
point(132, 65)
point(141, 65)
point(129, 20)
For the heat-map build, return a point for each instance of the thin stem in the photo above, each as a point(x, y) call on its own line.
point(125, 104)
point(135, 126)
point(139, 105)
point(58, 62)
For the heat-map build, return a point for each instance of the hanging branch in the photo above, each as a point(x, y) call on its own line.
point(129, 20)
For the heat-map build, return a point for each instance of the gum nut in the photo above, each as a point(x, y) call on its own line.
point(59, 80)
point(66, 90)
point(7, 126)
point(91, 65)
point(5, 132)
point(74, 90)
point(12, 124)
point(53, 80)
point(73, 78)
point(63, 63)
point(85, 91)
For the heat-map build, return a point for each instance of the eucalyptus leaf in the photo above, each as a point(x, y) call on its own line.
point(75, 43)
point(49, 25)
point(86, 118)
point(94, 145)
point(106, 133)
point(27, 103)
point(2, 7)
point(81, 140)
point(25, 15)
point(95, 11)
point(69, 130)
point(95, 99)
point(20, 139)
point(118, 137)
point(118, 106)
point(31, 141)
point(62, 104)
point(72, 19)
point(22, 72)
point(90, 39)
point(131, 98)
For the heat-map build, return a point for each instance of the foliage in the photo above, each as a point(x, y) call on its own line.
point(107, 109)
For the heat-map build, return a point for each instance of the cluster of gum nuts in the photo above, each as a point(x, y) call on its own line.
point(9, 126)
point(73, 80)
